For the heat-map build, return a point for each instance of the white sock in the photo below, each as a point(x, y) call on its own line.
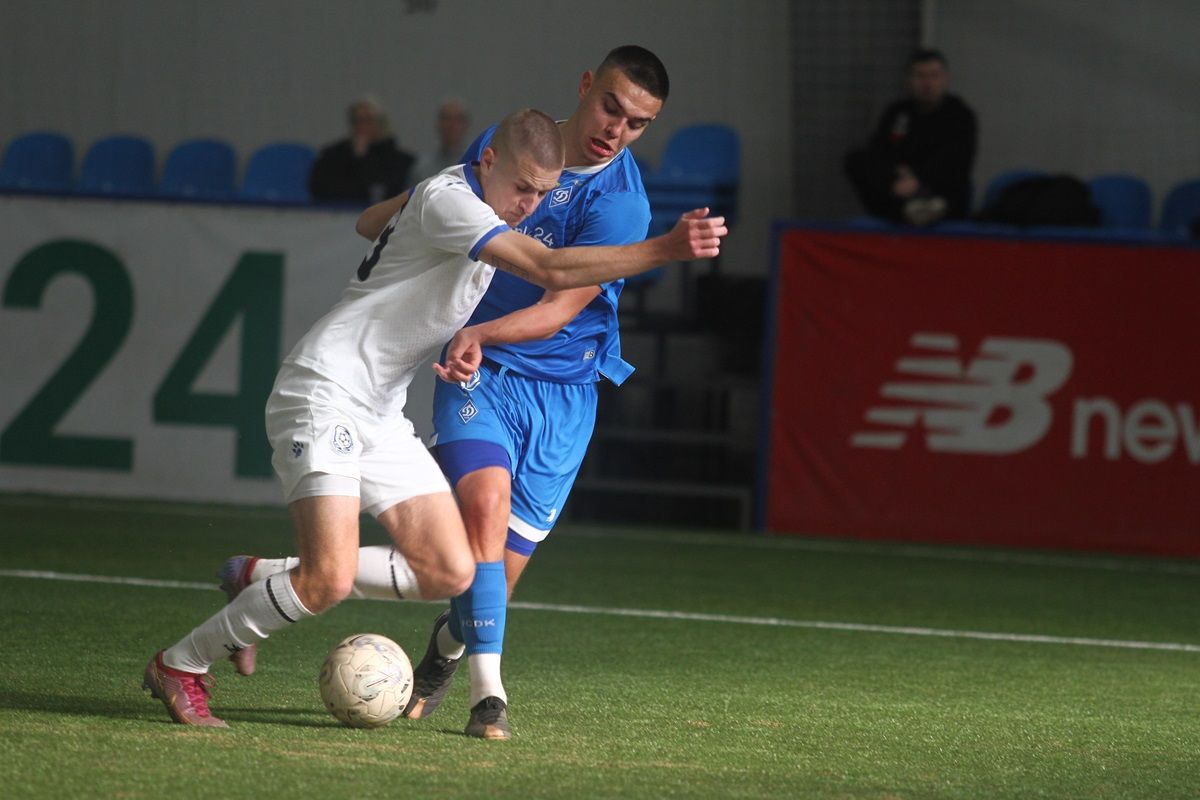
point(266, 567)
point(485, 677)
point(260, 610)
point(383, 574)
point(447, 645)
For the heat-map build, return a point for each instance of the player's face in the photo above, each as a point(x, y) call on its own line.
point(513, 186)
point(928, 81)
point(613, 112)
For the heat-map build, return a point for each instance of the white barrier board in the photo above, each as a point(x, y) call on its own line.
point(138, 341)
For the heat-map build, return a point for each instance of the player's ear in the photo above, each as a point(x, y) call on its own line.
point(487, 159)
point(585, 83)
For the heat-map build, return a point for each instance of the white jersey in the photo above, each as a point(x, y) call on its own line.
point(417, 286)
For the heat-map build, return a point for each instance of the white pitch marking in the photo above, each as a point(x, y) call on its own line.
point(110, 579)
point(688, 616)
point(901, 630)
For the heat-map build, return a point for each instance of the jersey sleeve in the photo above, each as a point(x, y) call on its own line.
point(454, 219)
point(615, 218)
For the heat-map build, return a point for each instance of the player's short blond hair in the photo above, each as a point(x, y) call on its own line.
point(531, 134)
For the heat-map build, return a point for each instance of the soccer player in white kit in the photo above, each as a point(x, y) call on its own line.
point(335, 417)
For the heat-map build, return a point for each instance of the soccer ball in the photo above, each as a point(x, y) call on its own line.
point(366, 680)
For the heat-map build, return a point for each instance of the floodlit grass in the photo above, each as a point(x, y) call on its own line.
point(616, 706)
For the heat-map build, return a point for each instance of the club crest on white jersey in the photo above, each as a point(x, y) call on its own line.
point(343, 442)
point(471, 383)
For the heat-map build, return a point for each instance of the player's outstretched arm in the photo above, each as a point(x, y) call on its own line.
point(372, 221)
point(696, 235)
point(539, 321)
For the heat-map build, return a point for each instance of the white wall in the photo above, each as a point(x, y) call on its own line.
point(1079, 86)
point(253, 72)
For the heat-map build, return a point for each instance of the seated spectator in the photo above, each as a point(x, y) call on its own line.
point(366, 166)
point(916, 168)
point(452, 122)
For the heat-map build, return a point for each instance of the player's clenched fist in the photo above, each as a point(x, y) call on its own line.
point(697, 235)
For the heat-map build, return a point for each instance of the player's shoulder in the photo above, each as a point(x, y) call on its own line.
point(451, 184)
point(619, 175)
point(617, 185)
point(455, 178)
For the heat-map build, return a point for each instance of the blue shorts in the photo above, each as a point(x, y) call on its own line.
point(544, 428)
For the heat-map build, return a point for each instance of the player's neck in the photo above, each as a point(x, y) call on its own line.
point(575, 158)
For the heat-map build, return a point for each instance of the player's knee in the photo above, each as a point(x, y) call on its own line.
point(459, 575)
point(450, 579)
point(321, 592)
point(484, 507)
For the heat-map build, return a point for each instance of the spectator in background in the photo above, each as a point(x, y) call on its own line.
point(916, 168)
point(366, 166)
point(452, 122)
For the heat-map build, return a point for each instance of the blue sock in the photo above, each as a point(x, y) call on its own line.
point(452, 623)
point(481, 609)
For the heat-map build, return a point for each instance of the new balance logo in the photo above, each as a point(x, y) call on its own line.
point(995, 405)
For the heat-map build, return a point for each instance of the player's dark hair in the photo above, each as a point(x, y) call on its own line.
point(640, 66)
point(928, 54)
point(533, 134)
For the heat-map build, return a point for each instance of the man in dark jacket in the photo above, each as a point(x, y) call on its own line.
point(917, 166)
point(366, 166)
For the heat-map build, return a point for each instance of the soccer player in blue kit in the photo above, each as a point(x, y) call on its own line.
point(511, 438)
point(512, 434)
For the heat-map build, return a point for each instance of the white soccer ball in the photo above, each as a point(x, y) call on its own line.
point(366, 680)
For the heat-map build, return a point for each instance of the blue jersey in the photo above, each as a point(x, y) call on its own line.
point(604, 205)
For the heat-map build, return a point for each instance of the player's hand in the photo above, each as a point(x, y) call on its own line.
point(906, 183)
point(697, 235)
point(464, 354)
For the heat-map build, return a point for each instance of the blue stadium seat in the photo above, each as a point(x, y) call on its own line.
point(119, 166)
point(199, 169)
point(701, 166)
point(1181, 207)
point(708, 152)
point(1124, 201)
point(1001, 181)
point(278, 173)
point(42, 161)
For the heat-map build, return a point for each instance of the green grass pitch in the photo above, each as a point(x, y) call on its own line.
point(639, 664)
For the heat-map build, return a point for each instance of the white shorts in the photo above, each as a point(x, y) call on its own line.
point(317, 429)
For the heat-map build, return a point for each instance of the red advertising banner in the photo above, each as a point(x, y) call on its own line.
point(1001, 391)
